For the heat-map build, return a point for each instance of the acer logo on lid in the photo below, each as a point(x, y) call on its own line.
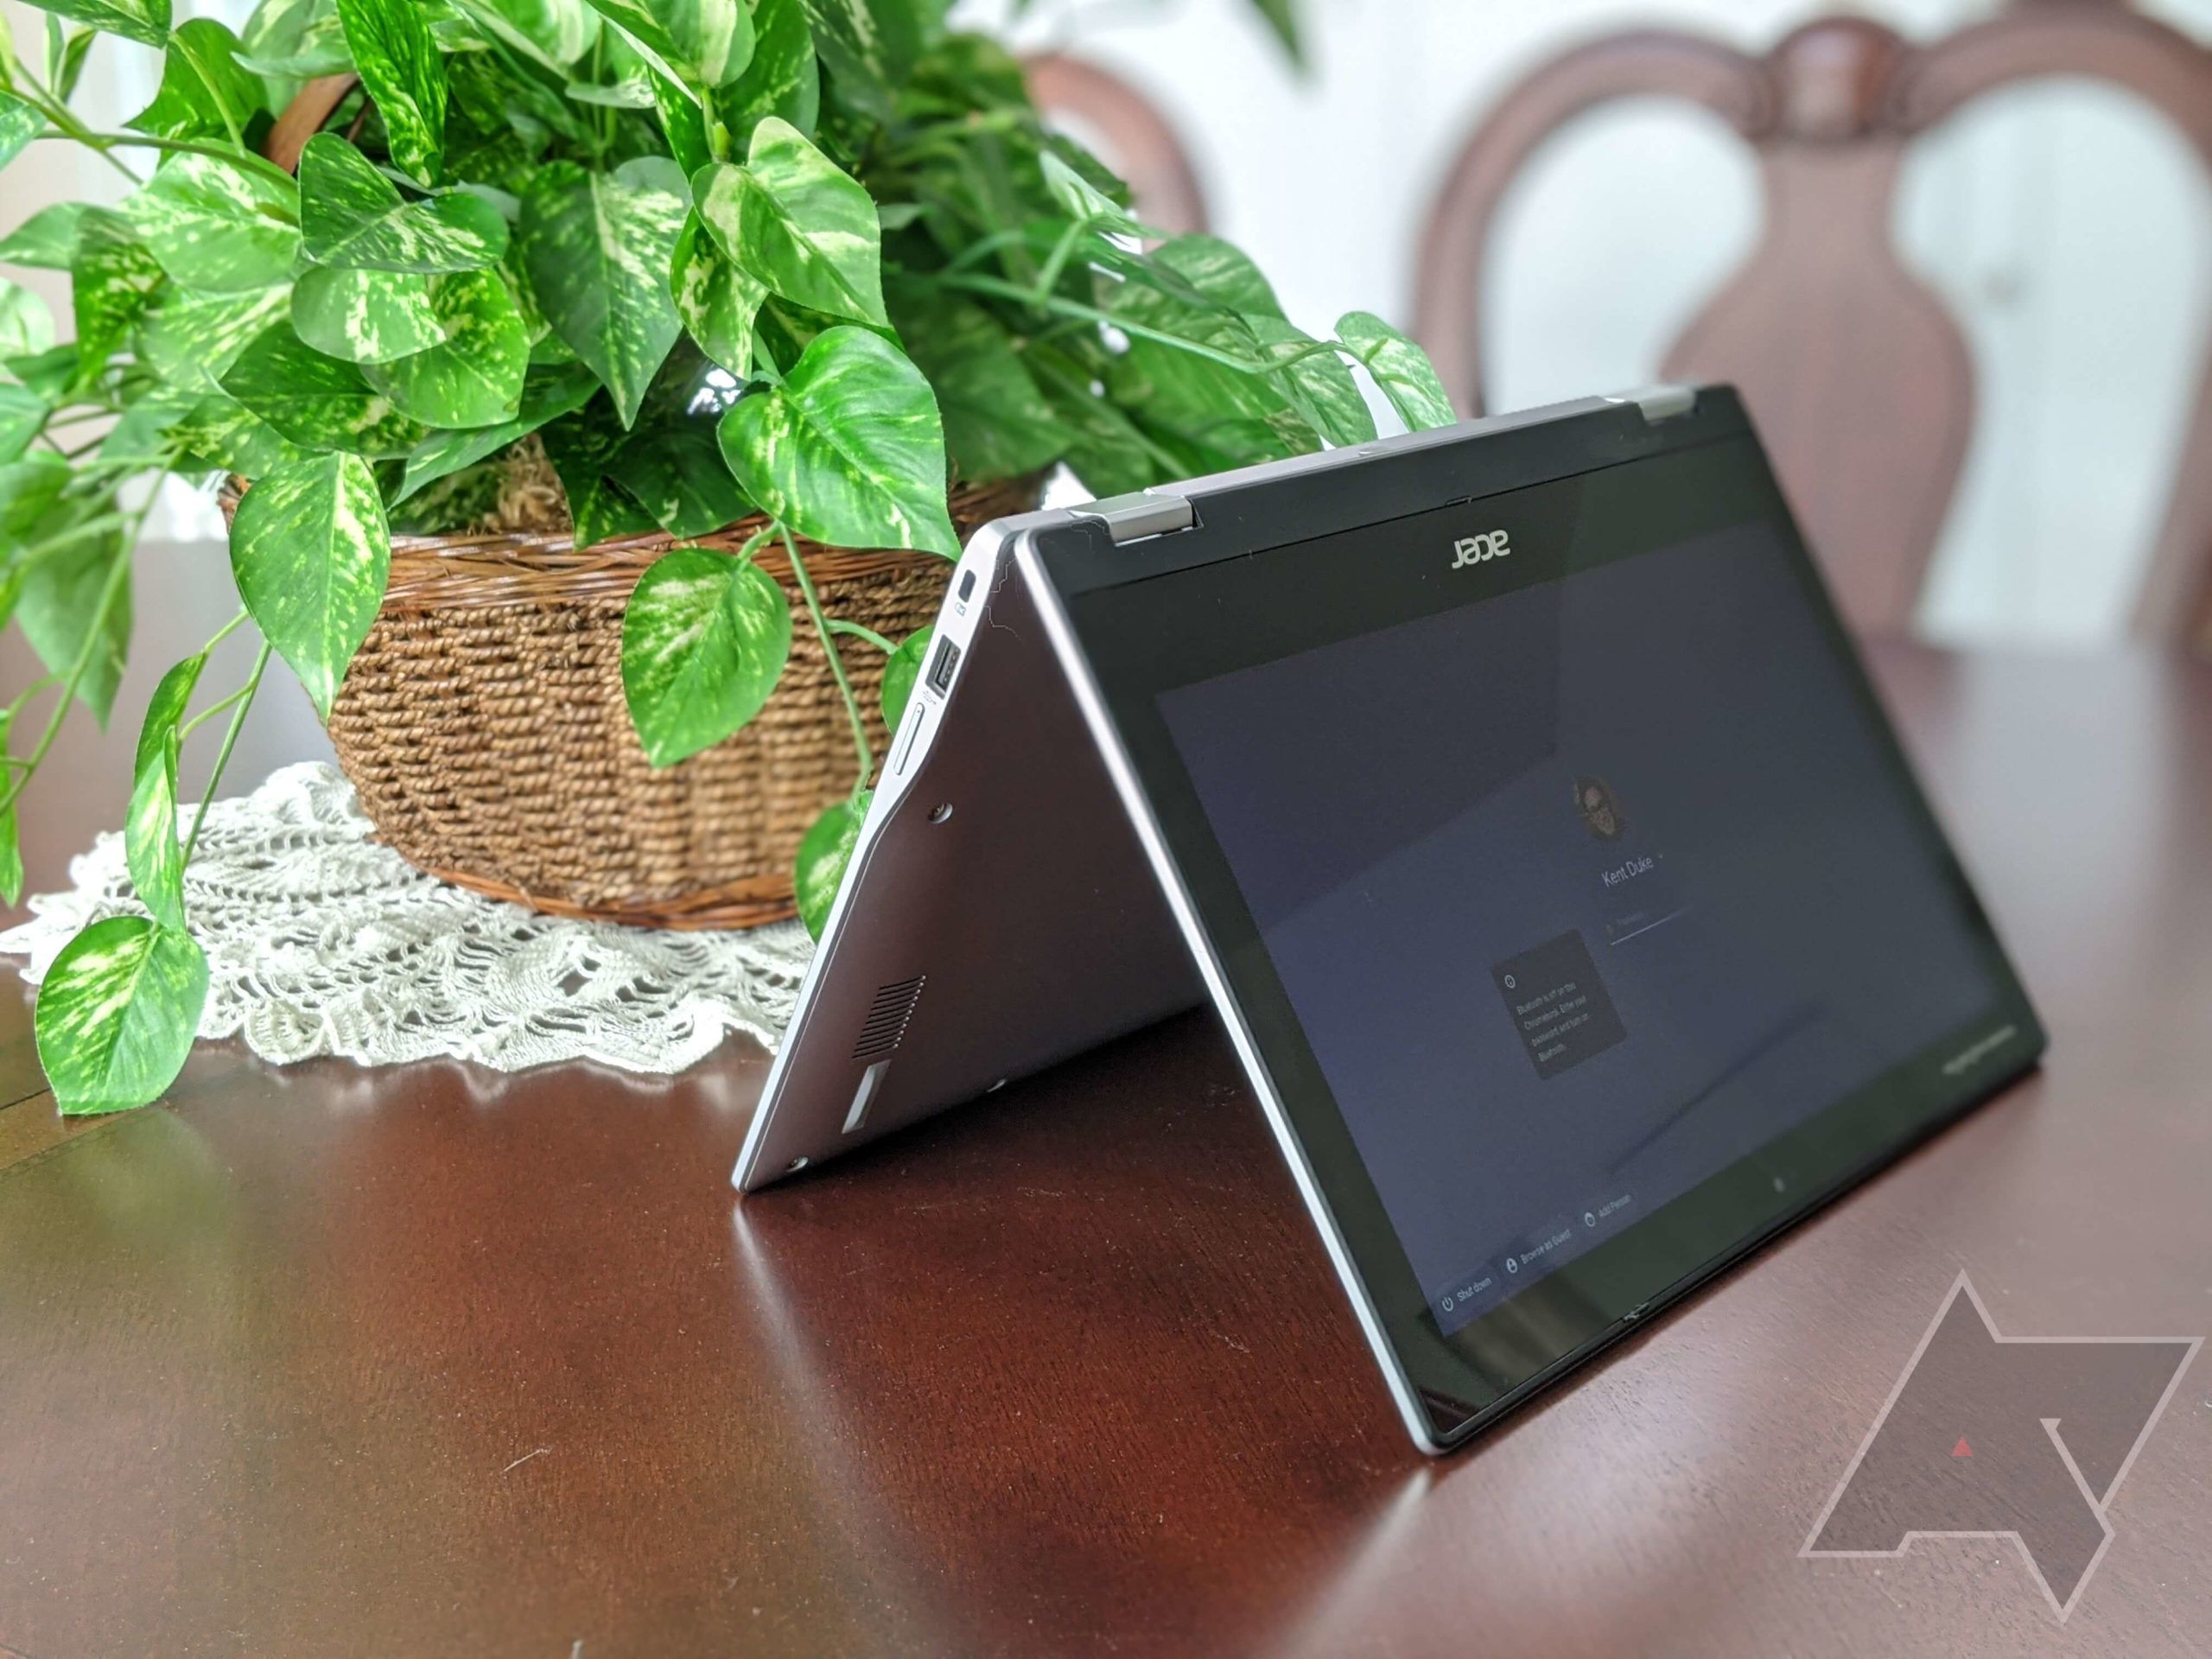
point(1474, 549)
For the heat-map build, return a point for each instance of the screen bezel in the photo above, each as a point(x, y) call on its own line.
point(1150, 628)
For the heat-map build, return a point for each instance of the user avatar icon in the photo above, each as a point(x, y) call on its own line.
point(1594, 800)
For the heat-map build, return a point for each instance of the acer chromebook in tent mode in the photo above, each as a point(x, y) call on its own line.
point(1516, 798)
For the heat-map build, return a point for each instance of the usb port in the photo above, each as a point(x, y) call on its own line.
point(940, 666)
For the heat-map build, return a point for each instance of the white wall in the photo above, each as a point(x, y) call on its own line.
point(2071, 231)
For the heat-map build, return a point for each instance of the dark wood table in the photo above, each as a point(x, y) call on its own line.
point(429, 1361)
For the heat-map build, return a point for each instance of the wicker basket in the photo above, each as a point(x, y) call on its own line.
point(483, 724)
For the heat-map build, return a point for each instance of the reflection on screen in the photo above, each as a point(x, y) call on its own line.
point(1581, 894)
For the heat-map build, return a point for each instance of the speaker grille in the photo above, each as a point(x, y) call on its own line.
point(887, 1017)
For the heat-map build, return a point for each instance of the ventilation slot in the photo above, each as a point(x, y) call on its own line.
point(887, 1019)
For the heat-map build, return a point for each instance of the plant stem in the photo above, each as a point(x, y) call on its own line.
point(1067, 308)
point(829, 649)
point(104, 141)
point(53, 109)
point(838, 624)
point(245, 698)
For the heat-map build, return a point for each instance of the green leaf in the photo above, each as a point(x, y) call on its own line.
point(902, 670)
point(549, 392)
point(111, 279)
point(718, 302)
point(997, 423)
point(474, 376)
point(141, 437)
point(47, 239)
point(704, 640)
point(365, 316)
point(674, 470)
point(218, 224)
point(24, 416)
point(1401, 368)
point(1316, 383)
point(310, 552)
point(581, 448)
point(1082, 200)
point(293, 41)
point(353, 217)
point(149, 840)
point(29, 490)
point(405, 76)
point(1108, 451)
point(849, 449)
point(823, 853)
point(707, 43)
point(782, 80)
point(870, 45)
point(146, 22)
point(48, 374)
point(223, 433)
point(317, 401)
point(682, 121)
point(598, 249)
point(204, 92)
point(19, 124)
point(191, 339)
point(792, 218)
point(118, 1013)
point(61, 599)
point(26, 325)
point(559, 31)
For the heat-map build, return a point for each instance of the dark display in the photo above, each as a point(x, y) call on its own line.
point(1634, 900)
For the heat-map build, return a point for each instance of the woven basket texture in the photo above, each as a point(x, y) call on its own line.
point(483, 724)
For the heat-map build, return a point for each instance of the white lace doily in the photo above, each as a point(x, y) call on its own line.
point(322, 941)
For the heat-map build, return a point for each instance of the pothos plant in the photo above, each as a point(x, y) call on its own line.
point(807, 258)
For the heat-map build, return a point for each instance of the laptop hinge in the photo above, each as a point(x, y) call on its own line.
point(1660, 403)
point(1133, 518)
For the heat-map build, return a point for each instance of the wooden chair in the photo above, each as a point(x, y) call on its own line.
point(1860, 378)
point(1138, 142)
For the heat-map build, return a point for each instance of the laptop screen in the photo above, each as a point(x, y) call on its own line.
point(1577, 911)
point(1609, 890)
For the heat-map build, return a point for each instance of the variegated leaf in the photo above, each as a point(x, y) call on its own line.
point(549, 392)
point(782, 80)
point(19, 124)
point(310, 552)
point(150, 841)
point(47, 239)
point(474, 375)
point(598, 249)
point(1315, 381)
point(317, 401)
point(704, 639)
point(795, 220)
point(823, 853)
point(1401, 368)
point(204, 92)
point(191, 338)
point(558, 31)
point(707, 43)
point(353, 218)
point(870, 45)
point(111, 278)
point(219, 431)
point(217, 224)
point(404, 75)
point(718, 301)
point(116, 1014)
point(365, 316)
point(146, 22)
point(848, 449)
